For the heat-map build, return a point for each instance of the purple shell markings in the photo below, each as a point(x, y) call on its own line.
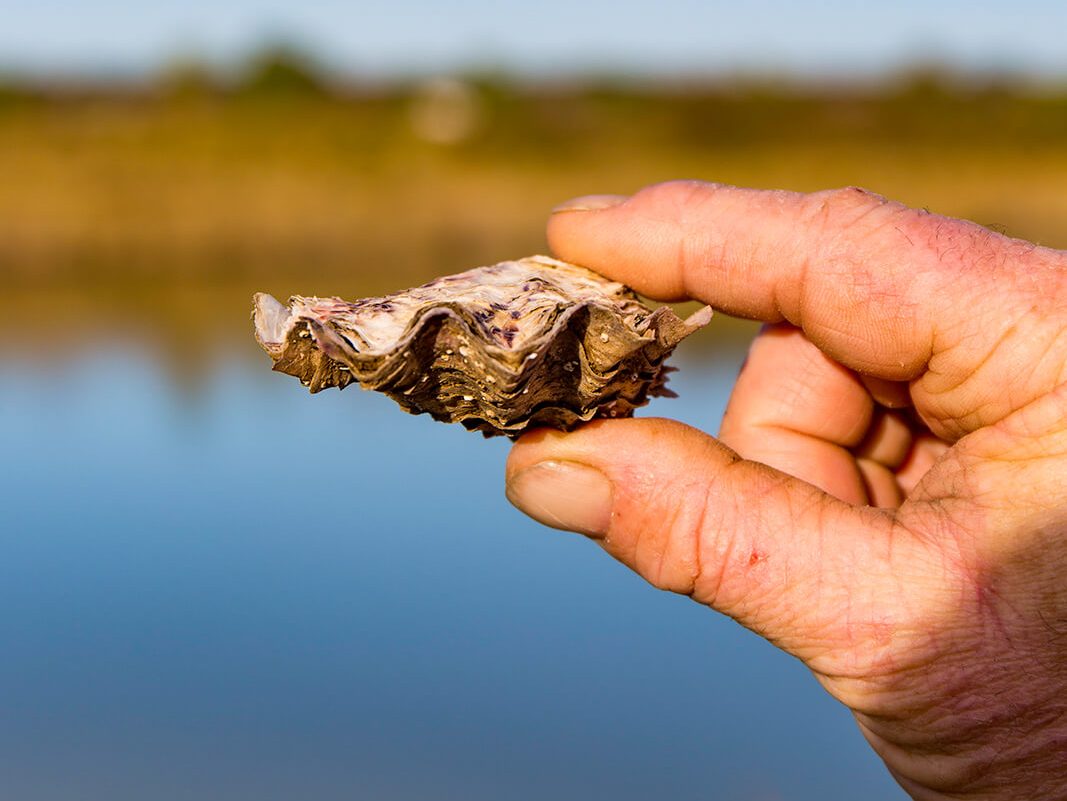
point(500, 349)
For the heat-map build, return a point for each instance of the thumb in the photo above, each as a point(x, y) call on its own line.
point(691, 516)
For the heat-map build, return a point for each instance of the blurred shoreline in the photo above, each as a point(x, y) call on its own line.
point(282, 172)
point(152, 210)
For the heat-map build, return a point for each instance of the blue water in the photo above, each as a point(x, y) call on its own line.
point(240, 591)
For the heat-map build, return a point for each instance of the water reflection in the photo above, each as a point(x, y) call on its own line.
point(228, 589)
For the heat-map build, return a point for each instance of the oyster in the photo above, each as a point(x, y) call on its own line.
point(500, 349)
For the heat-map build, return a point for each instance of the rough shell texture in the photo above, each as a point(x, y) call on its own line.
point(500, 349)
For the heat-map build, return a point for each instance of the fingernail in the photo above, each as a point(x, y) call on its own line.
point(590, 203)
point(565, 495)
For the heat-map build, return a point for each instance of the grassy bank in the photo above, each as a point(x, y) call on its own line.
point(164, 185)
point(150, 214)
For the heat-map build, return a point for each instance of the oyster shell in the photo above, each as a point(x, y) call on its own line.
point(500, 349)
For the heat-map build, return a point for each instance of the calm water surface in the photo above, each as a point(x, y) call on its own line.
point(238, 591)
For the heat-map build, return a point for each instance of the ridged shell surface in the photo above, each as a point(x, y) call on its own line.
point(500, 349)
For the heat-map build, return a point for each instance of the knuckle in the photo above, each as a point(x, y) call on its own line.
point(669, 550)
point(680, 212)
point(666, 192)
point(680, 198)
point(855, 228)
point(857, 194)
point(682, 188)
point(730, 559)
point(845, 205)
point(959, 244)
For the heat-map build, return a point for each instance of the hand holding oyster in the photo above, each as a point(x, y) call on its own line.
point(500, 349)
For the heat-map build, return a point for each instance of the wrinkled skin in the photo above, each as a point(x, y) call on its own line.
point(887, 499)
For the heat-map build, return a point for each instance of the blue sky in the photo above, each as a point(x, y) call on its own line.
point(656, 36)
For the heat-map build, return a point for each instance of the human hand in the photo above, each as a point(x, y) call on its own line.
point(887, 500)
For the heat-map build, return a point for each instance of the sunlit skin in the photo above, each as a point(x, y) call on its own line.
point(887, 498)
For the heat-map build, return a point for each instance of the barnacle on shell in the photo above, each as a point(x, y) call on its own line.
point(500, 349)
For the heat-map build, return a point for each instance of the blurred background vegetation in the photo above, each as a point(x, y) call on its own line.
point(165, 200)
point(219, 588)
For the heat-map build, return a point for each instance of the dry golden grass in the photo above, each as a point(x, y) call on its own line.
point(158, 217)
point(123, 189)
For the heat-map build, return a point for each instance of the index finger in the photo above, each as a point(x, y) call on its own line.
point(874, 283)
point(889, 291)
